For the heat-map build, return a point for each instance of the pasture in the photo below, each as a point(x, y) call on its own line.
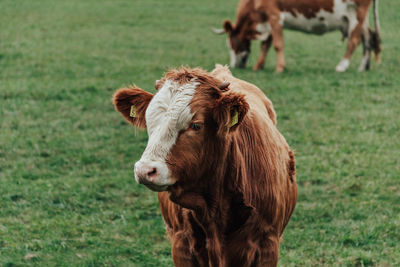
point(67, 192)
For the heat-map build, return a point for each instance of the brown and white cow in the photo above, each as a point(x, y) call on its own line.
point(224, 173)
point(264, 20)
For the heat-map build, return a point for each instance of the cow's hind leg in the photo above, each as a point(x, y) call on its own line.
point(356, 30)
point(366, 42)
point(265, 45)
point(354, 41)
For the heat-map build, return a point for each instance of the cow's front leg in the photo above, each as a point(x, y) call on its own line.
point(265, 45)
point(277, 40)
point(262, 252)
point(269, 252)
point(182, 254)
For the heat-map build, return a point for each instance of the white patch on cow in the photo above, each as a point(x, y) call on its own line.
point(343, 65)
point(352, 18)
point(264, 29)
point(232, 54)
point(236, 58)
point(167, 114)
point(342, 18)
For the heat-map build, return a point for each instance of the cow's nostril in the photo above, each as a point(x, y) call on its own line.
point(152, 172)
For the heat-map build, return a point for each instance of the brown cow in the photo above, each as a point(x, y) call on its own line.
point(264, 20)
point(224, 173)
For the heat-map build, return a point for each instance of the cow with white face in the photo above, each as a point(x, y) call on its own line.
point(167, 115)
point(265, 19)
point(224, 173)
point(171, 122)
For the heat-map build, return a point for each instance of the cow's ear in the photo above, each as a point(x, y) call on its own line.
point(230, 110)
point(228, 26)
point(132, 103)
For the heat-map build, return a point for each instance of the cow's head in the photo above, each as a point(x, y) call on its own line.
point(187, 120)
point(238, 43)
point(239, 39)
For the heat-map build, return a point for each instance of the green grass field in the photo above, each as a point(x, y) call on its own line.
point(67, 193)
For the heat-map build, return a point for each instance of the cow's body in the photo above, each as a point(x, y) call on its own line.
point(234, 190)
point(264, 20)
point(329, 16)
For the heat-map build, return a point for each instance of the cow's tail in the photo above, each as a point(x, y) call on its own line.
point(376, 37)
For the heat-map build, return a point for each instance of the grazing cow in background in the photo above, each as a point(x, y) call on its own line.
point(264, 20)
point(224, 173)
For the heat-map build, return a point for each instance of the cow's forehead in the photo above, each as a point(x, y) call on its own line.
point(170, 106)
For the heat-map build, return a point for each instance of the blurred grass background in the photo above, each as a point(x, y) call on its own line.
point(67, 193)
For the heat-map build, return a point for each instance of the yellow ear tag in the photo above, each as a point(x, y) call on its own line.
point(234, 118)
point(133, 112)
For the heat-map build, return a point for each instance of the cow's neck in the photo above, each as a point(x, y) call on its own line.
point(216, 203)
point(216, 212)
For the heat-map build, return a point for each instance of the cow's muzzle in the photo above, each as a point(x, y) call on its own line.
point(154, 175)
point(239, 60)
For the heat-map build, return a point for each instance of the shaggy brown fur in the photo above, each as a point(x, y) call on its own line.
point(236, 186)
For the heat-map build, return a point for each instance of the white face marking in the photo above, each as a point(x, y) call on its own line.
point(167, 114)
point(324, 21)
point(236, 58)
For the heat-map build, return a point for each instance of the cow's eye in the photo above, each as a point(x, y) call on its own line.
point(195, 126)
